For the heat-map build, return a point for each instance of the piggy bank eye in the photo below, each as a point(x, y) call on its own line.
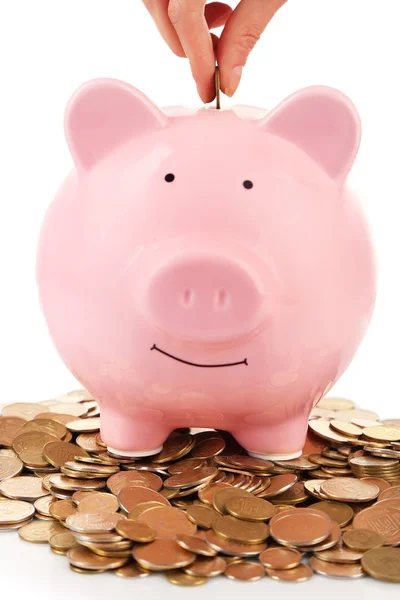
point(170, 177)
point(248, 184)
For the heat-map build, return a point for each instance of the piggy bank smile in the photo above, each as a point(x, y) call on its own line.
point(193, 364)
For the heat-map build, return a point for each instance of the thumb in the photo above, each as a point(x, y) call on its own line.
point(241, 33)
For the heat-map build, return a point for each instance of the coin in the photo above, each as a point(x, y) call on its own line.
point(305, 528)
point(278, 485)
point(222, 495)
point(83, 558)
point(249, 508)
point(391, 492)
point(294, 495)
point(382, 564)
point(363, 539)
point(249, 462)
point(382, 433)
point(116, 482)
point(339, 554)
point(88, 442)
point(39, 532)
point(298, 464)
point(42, 505)
point(131, 570)
point(205, 566)
point(23, 410)
point(132, 495)
point(339, 512)
point(9, 467)
point(330, 542)
point(15, 511)
point(174, 448)
point(244, 571)
point(62, 509)
point(217, 86)
point(167, 521)
point(62, 542)
point(135, 531)
point(208, 448)
point(233, 548)
point(346, 428)
point(280, 558)
point(191, 477)
point(46, 426)
point(195, 544)
point(297, 575)
point(32, 439)
point(358, 413)
point(23, 488)
point(202, 516)
point(140, 508)
point(331, 569)
point(187, 463)
point(384, 518)
point(58, 453)
point(322, 428)
point(9, 427)
point(336, 403)
point(381, 483)
point(206, 495)
point(236, 530)
point(71, 484)
point(349, 490)
point(99, 522)
point(179, 577)
point(99, 502)
point(163, 554)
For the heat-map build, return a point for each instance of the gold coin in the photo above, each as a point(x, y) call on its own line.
point(391, 492)
point(23, 410)
point(47, 426)
point(135, 531)
point(244, 571)
point(336, 403)
point(301, 527)
point(191, 477)
point(9, 428)
point(132, 495)
point(382, 433)
point(298, 574)
point(202, 516)
point(88, 442)
point(339, 555)
point(84, 425)
point(322, 428)
point(208, 448)
point(330, 541)
point(63, 542)
point(381, 483)
point(294, 495)
point(62, 509)
point(278, 485)
point(346, 428)
point(163, 554)
point(102, 537)
point(116, 482)
point(179, 577)
point(9, 467)
point(248, 462)
point(32, 439)
point(250, 508)
point(15, 511)
point(358, 413)
point(140, 508)
point(39, 532)
point(349, 490)
point(383, 517)
point(221, 496)
point(80, 395)
point(175, 447)
point(167, 521)
point(33, 457)
point(312, 487)
point(58, 453)
point(87, 571)
point(280, 558)
point(23, 488)
point(87, 523)
point(187, 463)
point(195, 544)
point(206, 494)
point(99, 502)
point(331, 569)
point(339, 512)
point(205, 566)
point(382, 564)
point(363, 423)
point(68, 408)
point(233, 548)
point(131, 570)
point(42, 505)
point(62, 482)
point(363, 539)
point(83, 558)
point(217, 86)
point(298, 464)
point(247, 532)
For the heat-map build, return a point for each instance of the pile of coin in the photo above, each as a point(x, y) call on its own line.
point(202, 507)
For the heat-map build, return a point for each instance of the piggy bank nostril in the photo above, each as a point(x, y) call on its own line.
point(187, 298)
point(221, 299)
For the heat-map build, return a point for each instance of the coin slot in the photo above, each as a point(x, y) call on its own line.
point(221, 300)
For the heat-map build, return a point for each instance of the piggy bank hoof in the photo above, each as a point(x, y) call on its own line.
point(134, 453)
point(288, 456)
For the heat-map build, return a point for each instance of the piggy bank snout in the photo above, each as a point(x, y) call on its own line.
point(205, 298)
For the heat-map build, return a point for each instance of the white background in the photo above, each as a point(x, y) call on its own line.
point(47, 49)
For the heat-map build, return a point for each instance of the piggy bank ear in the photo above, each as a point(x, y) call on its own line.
point(321, 121)
point(104, 114)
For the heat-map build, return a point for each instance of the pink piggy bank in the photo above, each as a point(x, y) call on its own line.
point(207, 268)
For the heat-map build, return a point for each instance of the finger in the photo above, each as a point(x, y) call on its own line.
point(217, 14)
point(187, 16)
point(241, 33)
point(215, 41)
point(159, 12)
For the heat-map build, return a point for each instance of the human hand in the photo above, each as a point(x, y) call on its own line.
point(185, 25)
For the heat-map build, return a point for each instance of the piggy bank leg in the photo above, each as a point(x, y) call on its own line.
point(282, 441)
point(131, 437)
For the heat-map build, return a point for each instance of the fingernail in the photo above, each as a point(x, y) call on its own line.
point(234, 80)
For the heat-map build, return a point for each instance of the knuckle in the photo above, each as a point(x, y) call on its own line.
point(248, 39)
point(175, 11)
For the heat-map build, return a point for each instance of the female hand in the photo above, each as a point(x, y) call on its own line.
point(185, 25)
